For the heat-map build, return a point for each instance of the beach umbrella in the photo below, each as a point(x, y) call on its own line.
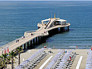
point(76, 47)
point(45, 46)
point(7, 49)
point(4, 51)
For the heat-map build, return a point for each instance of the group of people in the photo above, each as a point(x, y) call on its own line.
point(18, 39)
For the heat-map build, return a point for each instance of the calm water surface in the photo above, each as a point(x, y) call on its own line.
point(18, 17)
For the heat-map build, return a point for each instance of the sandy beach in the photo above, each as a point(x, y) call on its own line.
point(29, 53)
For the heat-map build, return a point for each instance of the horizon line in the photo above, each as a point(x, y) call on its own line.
point(46, 1)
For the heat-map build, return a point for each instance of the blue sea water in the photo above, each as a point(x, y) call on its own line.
point(18, 17)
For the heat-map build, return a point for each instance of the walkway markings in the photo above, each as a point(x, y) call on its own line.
point(79, 62)
point(45, 62)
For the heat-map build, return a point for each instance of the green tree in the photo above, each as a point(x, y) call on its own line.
point(19, 50)
point(4, 59)
point(12, 54)
point(1, 62)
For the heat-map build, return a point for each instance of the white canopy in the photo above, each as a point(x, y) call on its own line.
point(61, 20)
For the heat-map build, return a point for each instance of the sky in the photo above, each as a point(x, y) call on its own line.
point(45, 0)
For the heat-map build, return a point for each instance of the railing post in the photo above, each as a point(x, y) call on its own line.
point(31, 45)
point(24, 46)
point(28, 45)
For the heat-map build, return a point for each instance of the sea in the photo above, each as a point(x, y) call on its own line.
point(16, 17)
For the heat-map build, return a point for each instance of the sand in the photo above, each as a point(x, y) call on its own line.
point(79, 52)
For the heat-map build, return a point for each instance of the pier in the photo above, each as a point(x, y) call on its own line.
point(32, 38)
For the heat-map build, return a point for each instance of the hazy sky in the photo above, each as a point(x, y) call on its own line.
point(45, 0)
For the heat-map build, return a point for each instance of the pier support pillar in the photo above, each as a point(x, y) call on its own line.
point(59, 30)
point(43, 39)
point(39, 39)
point(62, 29)
point(33, 41)
point(28, 46)
point(36, 40)
point(31, 45)
point(68, 28)
point(24, 46)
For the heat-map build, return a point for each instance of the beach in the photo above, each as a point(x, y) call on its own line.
point(79, 53)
